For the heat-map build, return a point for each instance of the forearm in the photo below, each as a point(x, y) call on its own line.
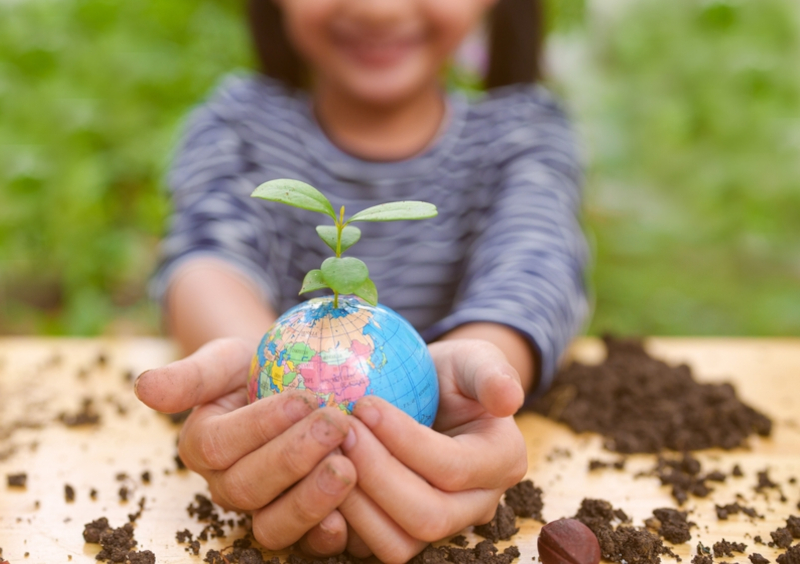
point(517, 350)
point(207, 300)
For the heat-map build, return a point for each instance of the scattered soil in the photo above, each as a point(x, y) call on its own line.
point(684, 475)
point(791, 556)
point(756, 558)
point(725, 548)
point(764, 482)
point(502, 526)
point(69, 493)
point(485, 552)
point(86, 415)
point(17, 480)
point(459, 540)
point(595, 464)
point(623, 543)
point(525, 499)
point(671, 524)
point(781, 538)
point(725, 511)
point(117, 544)
point(648, 405)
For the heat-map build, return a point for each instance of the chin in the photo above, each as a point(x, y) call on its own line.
point(388, 88)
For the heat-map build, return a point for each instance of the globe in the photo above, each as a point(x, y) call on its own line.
point(344, 353)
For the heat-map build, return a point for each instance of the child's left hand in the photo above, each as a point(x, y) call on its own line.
point(417, 485)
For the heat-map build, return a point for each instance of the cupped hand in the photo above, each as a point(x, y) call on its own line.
point(277, 458)
point(417, 485)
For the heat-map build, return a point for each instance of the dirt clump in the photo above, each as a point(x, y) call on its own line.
point(649, 406)
point(525, 499)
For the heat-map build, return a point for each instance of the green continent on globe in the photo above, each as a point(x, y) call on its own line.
point(345, 353)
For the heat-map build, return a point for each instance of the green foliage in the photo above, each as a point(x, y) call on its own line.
point(295, 193)
point(91, 96)
point(342, 275)
point(350, 236)
point(692, 112)
point(396, 211)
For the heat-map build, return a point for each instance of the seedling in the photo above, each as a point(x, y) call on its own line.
point(347, 275)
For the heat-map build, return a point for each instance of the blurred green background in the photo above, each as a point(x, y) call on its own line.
point(690, 112)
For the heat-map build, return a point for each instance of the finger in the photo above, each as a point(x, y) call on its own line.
point(356, 545)
point(481, 372)
point(450, 463)
point(422, 511)
point(330, 536)
point(285, 460)
point(288, 518)
point(383, 537)
point(214, 370)
point(219, 433)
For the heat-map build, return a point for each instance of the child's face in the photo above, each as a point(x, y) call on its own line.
point(379, 51)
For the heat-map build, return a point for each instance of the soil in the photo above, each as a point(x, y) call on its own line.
point(525, 499)
point(621, 543)
point(724, 511)
point(791, 556)
point(502, 526)
point(17, 480)
point(117, 544)
point(485, 552)
point(725, 548)
point(672, 525)
point(684, 475)
point(641, 397)
point(86, 415)
point(595, 464)
point(781, 538)
point(69, 493)
point(756, 558)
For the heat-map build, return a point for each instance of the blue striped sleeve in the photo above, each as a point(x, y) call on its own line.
point(526, 268)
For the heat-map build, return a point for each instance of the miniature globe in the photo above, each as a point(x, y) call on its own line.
point(344, 353)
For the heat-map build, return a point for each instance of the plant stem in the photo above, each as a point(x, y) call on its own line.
point(335, 299)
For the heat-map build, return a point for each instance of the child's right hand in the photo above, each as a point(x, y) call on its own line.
point(231, 443)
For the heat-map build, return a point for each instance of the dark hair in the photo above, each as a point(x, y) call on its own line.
point(516, 30)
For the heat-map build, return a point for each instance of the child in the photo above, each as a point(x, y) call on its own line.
point(351, 101)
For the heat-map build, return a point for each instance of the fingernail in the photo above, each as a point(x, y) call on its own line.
point(327, 432)
point(136, 382)
point(349, 440)
point(297, 407)
point(368, 414)
point(327, 525)
point(331, 481)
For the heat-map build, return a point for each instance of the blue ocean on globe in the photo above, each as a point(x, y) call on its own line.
point(345, 353)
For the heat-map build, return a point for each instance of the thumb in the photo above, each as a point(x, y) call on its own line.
point(482, 373)
point(214, 370)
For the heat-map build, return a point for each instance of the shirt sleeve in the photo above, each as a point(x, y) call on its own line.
point(213, 213)
point(526, 268)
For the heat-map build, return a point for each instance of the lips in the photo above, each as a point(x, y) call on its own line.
point(374, 51)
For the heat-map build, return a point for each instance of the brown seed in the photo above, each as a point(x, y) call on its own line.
point(568, 541)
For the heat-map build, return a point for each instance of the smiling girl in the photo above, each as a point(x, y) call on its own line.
point(351, 100)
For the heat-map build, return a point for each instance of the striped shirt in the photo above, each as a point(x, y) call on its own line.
point(506, 247)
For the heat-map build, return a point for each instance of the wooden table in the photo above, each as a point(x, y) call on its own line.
point(40, 378)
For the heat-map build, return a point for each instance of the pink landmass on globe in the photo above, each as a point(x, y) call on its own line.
point(347, 382)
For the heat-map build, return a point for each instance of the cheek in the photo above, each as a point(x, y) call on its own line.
point(306, 24)
point(452, 20)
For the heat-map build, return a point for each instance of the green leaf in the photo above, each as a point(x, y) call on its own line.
point(344, 275)
point(350, 236)
point(314, 280)
point(368, 292)
point(295, 193)
point(396, 211)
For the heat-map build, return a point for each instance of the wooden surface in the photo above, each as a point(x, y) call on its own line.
point(41, 378)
